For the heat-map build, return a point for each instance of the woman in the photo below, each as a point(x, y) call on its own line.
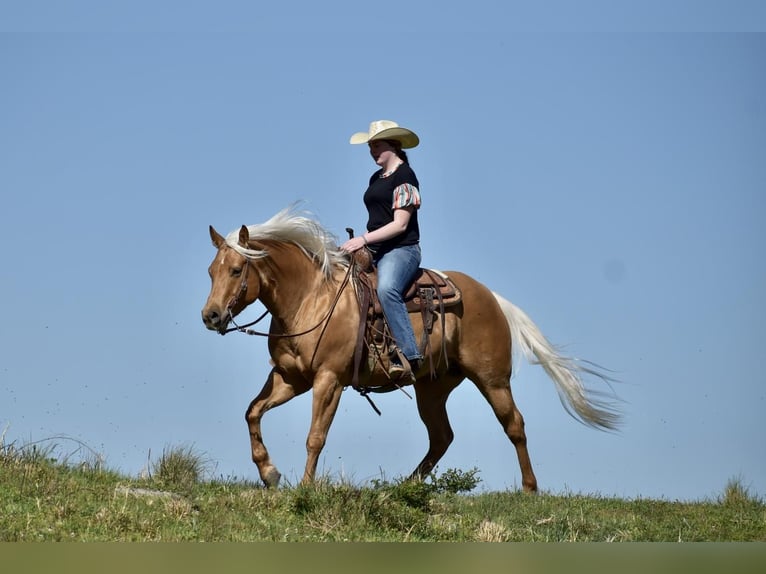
point(392, 200)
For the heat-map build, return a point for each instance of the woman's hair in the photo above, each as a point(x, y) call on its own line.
point(400, 153)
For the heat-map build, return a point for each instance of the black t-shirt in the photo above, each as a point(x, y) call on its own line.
point(379, 200)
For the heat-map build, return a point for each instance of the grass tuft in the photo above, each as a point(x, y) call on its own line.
point(736, 494)
point(180, 468)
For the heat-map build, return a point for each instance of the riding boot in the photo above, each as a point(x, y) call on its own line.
point(399, 368)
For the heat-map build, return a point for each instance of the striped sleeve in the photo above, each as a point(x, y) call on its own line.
point(406, 195)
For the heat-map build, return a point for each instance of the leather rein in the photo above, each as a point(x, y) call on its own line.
point(247, 331)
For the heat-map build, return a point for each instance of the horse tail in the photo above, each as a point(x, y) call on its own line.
point(590, 407)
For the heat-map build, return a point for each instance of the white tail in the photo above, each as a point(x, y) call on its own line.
point(583, 404)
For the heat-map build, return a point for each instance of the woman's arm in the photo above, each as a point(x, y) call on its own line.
point(388, 231)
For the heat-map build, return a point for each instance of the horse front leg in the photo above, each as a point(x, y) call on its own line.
point(275, 392)
point(327, 392)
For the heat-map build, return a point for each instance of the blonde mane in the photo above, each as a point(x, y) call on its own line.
point(294, 226)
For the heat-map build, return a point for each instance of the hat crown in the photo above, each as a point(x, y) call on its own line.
point(381, 125)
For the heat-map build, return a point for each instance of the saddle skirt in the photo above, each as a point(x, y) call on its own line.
point(430, 285)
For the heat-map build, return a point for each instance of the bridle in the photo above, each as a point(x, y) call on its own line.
point(244, 328)
point(233, 301)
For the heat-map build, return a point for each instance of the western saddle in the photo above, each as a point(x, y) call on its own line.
point(429, 294)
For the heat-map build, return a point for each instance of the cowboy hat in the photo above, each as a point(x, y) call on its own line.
point(386, 130)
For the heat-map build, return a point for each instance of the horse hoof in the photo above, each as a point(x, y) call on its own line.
point(271, 478)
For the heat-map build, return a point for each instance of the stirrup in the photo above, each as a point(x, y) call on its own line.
point(399, 368)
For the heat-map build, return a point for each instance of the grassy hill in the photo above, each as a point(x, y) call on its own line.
point(44, 498)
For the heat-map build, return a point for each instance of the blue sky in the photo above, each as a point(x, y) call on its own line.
point(601, 168)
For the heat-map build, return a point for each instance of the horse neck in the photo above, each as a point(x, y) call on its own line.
point(289, 279)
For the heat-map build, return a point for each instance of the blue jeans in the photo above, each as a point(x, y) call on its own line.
point(396, 270)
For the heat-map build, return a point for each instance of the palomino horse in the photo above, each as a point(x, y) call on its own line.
point(294, 267)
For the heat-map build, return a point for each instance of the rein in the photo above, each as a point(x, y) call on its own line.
point(244, 328)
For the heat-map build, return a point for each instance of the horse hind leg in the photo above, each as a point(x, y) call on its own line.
point(432, 408)
point(501, 400)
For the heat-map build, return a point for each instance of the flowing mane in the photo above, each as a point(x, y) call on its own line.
point(293, 226)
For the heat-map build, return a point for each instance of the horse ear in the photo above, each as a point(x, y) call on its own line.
point(218, 240)
point(244, 236)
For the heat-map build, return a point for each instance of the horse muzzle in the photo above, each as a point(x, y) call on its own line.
point(214, 320)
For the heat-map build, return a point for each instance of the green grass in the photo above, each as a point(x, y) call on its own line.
point(44, 497)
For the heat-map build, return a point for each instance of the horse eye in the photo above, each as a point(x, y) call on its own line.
point(236, 271)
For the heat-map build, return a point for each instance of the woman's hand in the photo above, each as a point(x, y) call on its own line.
point(354, 244)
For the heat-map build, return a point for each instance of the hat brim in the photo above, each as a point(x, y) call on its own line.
point(407, 138)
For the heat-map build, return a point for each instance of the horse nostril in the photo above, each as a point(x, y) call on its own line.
point(211, 318)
